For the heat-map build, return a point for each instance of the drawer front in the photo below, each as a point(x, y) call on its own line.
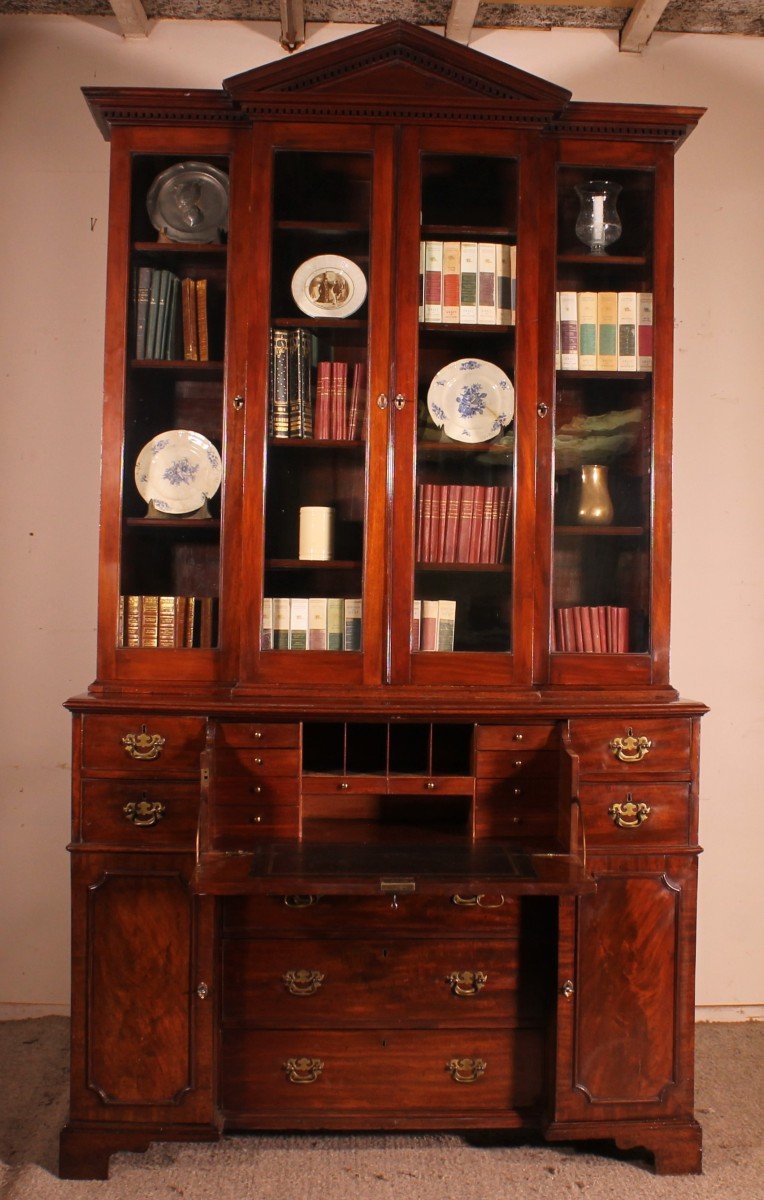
point(137, 815)
point(255, 734)
point(644, 814)
point(430, 785)
point(509, 764)
point(136, 744)
point(513, 737)
point(340, 785)
point(621, 746)
point(301, 984)
point(385, 1071)
point(235, 762)
point(338, 916)
point(243, 812)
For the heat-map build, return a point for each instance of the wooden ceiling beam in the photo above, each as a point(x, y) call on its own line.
point(131, 18)
point(292, 14)
point(461, 19)
point(643, 18)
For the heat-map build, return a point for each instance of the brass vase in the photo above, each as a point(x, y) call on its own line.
point(595, 506)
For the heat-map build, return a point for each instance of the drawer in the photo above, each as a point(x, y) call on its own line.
point(386, 1071)
point(239, 815)
point(339, 916)
point(256, 762)
point(430, 785)
point(621, 746)
point(510, 764)
point(297, 983)
point(139, 744)
point(645, 814)
point(264, 733)
point(508, 737)
point(339, 785)
point(148, 814)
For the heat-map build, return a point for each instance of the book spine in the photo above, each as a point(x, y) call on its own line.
point(627, 331)
point(557, 334)
point(416, 625)
point(425, 521)
point(150, 621)
point(644, 331)
point(335, 622)
point(281, 623)
point(468, 284)
point(440, 552)
point(353, 611)
point(504, 314)
point(486, 283)
point(466, 506)
point(596, 635)
point(166, 622)
point(298, 623)
point(607, 328)
point(476, 523)
point(451, 282)
point(484, 553)
point(513, 283)
point(280, 377)
point(202, 320)
point(357, 405)
point(323, 400)
point(188, 311)
point(132, 620)
point(317, 623)
point(266, 624)
point(569, 330)
point(188, 634)
point(338, 402)
point(446, 624)
point(295, 416)
point(433, 283)
point(429, 625)
point(586, 630)
point(587, 331)
point(453, 505)
point(141, 310)
point(160, 342)
point(505, 508)
point(151, 317)
point(422, 251)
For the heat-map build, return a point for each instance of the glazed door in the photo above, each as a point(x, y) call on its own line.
point(317, 421)
point(463, 409)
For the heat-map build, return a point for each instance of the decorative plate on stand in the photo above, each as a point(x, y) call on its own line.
point(471, 400)
point(328, 285)
point(189, 202)
point(178, 471)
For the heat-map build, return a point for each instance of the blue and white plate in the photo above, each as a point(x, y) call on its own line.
point(471, 400)
point(178, 470)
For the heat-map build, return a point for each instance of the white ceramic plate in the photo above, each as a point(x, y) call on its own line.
point(471, 400)
point(178, 470)
point(328, 286)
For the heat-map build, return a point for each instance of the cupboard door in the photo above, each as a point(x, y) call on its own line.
point(463, 440)
point(625, 1008)
point(319, 344)
point(144, 992)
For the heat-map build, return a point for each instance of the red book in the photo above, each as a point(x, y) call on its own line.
point(338, 406)
point(586, 630)
point(601, 617)
point(476, 527)
point(623, 630)
point(453, 504)
point(489, 520)
point(568, 628)
point(440, 548)
point(559, 630)
point(611, 636)
point(596, 639)
point(355, 415)
point(465, 523)
point(502, 526)
point(434, 543)
point(427, 489)
point(578, 629)
point(323, 399)
point(419, 521)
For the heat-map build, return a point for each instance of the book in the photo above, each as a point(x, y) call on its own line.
point(321, 424)
point(421, 280)
point(335, 623)
point(207, 606)
point(317, 623)
point(446, 624)
point(569, 331)
point(279, 383)
point(189, 320)
point(451, 529)
point(143, 289)
point(627, 331)
point(132, 621)
point(166, 635)
point(587, 331)
point(433, 283)
point(301, 349)
point(416, 625)
point(298, 623)
point(202, 320)
point(644, 331)
point(429, 625)
point(486, 313)
point(357, 402)
point(150, 621)
point(281, 623)
point(451, 282)
point(266, 624)
point(468, 284)
point(353, 608)
point(338, 400)
point(504, 307)
point(151, 316)
point(466, 509)
point(513, 283)
point(557, 334)
point(607, 326)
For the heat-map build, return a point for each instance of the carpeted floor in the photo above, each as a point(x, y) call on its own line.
point(730, 1105)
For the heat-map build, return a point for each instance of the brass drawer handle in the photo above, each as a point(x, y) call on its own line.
point(303, 982)
point(629, 815)
point(301, 901)
point(630, 749)
point(467, 983)
point(144, 746)
point(466, 1070)
point(144, 812)
point(303, 1070)
point(480, 901)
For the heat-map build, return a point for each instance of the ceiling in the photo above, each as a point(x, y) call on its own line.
point(635, 19)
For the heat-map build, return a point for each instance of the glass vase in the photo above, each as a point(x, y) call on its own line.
point(598, 224)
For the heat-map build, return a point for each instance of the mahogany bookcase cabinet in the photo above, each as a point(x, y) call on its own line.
point(402, 834)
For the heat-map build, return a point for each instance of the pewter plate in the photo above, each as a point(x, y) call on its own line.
point(189, 202)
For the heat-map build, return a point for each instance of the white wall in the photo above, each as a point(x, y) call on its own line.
point(53, 203)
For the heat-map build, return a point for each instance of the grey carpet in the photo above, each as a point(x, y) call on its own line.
point(33, 1066)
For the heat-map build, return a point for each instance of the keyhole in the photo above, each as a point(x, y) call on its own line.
point(384, 954)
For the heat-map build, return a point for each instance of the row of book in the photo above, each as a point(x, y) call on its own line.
point(604, 331)
point(311, 623)
point(432, 627)
point(591, 629)
point(170, 316)
point(332, 408)
point(467, 283)
point(462, 523)
point(168, 622)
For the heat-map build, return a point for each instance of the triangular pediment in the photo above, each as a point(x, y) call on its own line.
point(399, 61)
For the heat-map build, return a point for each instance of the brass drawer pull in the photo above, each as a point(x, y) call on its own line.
point(301, 901)
point(568, 989)
point(303, 1070)
point(303, 982)
point(466, 1070)
point(630, 749)
point(629, 815)
point(144, 746)
point(144, 812)
point(480, 901)
point(467, 983)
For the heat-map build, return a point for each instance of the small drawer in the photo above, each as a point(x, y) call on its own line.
point(340, 785)
point(522, 764)
point(386, 1072)
point(337, 916)
point(621, 746)
point(508, 737)
point(241, 761)
point(646, 814)
point(264, 733)
point(239, 826)
point(136, 814)
point(517, 809)
point(290, 983)
point(137, 743)
point(430, 785)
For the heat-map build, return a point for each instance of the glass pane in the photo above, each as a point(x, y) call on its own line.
point(601, 566)
point(465, 435)
point(316, 461)
point(173, 465)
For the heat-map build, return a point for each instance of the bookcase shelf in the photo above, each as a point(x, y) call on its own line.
point(466, 568)
point(463, 328)
point(311, 564)
point(161, 525)
point(215, 249)
point(349, 445)
point(599, 530)
point(190, 365)
point(602, 261)
point(609, 375)
point(472, 233)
